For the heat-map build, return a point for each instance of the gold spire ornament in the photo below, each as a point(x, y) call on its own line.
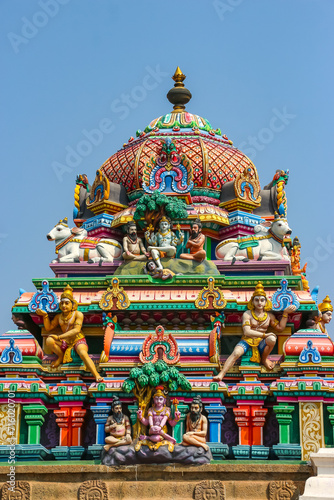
point(179, 95)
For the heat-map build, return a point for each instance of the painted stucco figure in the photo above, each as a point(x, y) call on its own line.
point(195, 243)
point(157, 417)
point(255, 323)
point(325, 316)
point(151, 268)
point(117, 426)
point(196, 426)
point(164, 242)
point(266, 244)
point(134, 248)
point(70, 322)
point(73, 245)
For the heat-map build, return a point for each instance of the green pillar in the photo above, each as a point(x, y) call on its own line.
point(284, 418)
point(179, 429)
point(133, 413)
point(331, 417)
point(34, 416)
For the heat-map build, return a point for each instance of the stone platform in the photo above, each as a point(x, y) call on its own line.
point(220, 480)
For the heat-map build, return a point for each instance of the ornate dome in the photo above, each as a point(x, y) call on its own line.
point(213, 159)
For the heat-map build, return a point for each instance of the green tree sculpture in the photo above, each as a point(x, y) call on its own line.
point(143, 380)
point(154, 206)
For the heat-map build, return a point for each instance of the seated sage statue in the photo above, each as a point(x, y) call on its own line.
point(196, 426)
point(133, 245)
point(117, 426)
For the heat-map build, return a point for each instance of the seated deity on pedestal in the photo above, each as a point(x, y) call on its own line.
point(164, 242)
point(157, 417)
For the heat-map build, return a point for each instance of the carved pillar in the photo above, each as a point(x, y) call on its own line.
point(216, 414)
point(242, 419)
point(70, 421)
point(250, 419)
point(34, 416)
point(180, 428)
point(77, 420)
point(258, 420)
point(100, 414)
point(312, 427)
point(133, 413)
point(62, 419)
point(284, 417)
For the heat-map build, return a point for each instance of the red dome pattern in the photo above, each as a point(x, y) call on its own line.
point(214, 160)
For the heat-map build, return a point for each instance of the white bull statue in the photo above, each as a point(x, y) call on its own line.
point(73, 245)
point(266, 244)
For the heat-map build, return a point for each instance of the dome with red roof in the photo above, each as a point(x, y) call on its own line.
point(210, 156)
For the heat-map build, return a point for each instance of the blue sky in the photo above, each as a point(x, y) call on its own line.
point(67, 65)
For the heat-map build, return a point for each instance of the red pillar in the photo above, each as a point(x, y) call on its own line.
point(62, 419)
point(250, 420)
point(77, 417)
point(242, 418)
point(258, 421)
point(70, 421)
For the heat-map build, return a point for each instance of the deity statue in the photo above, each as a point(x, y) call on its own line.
point(196, 426)
point(70, 322)
point(134, 248)
point(326, 313)
point(152, 269)
point(295, 263)
point(158, 416)
point(255, 323)
point(195, 243)
point(117, 426)
point(164, 242)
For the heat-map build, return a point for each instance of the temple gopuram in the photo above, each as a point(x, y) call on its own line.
point(177, 349)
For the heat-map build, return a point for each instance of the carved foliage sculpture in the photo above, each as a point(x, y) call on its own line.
point(209, 490)
point(45, 299)
point(22, 491)
point(217, 296)
point(116, 292)
point(99, 190)
point(170, 171)
point(311, 422)
point(156, 341)
point(284, 297)
point(283, 490)
point(247, 186)
point(93, 490)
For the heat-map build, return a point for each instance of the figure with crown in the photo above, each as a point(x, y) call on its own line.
point(325, 316)
point(157, 417)
point(255, 323)
point(70, 322)
point(164, 242)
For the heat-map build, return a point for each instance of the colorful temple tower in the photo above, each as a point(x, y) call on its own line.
point(179, 326)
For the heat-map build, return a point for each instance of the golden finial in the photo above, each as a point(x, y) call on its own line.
point(179, 95)
point(326, 305)
point(178, 77)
